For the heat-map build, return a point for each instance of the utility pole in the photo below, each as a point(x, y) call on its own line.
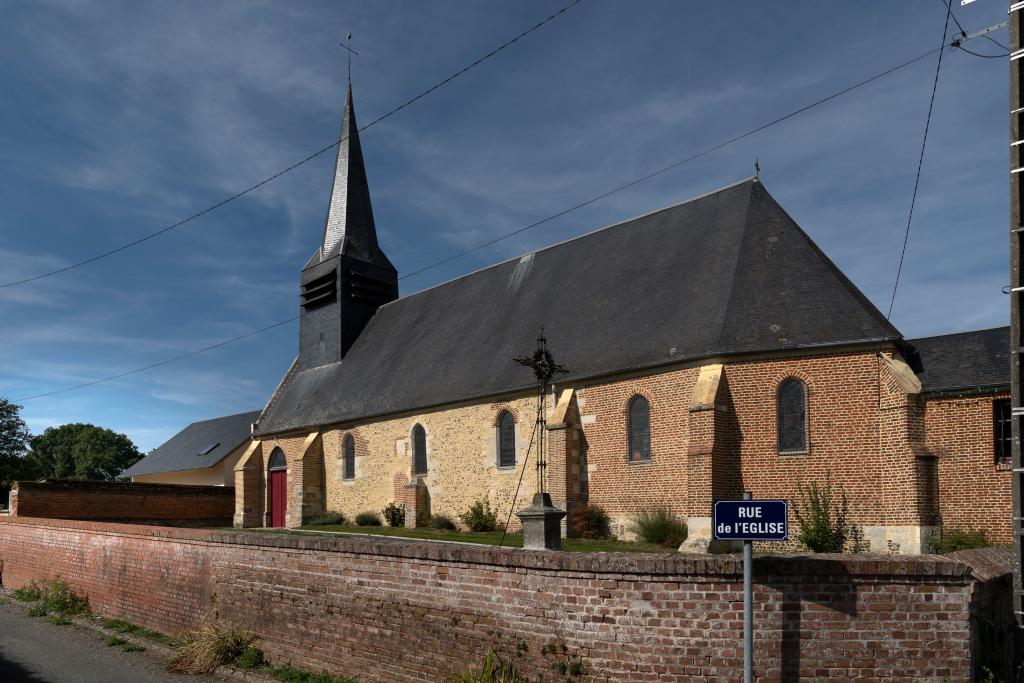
point(1016, 19)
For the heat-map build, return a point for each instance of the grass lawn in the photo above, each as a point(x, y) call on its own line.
point(491, 538)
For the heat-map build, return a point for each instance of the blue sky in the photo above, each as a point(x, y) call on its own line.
point(117, 118)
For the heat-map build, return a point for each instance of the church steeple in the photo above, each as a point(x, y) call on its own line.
point(349, 277)
point(349, 228)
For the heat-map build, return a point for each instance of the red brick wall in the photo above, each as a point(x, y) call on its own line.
point(974, 491)
point(844, 422)
point(168, 504)
point(409, 611)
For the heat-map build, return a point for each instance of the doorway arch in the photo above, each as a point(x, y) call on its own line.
point(278, 485)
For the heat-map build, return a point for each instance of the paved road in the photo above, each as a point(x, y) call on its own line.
point(34, 650)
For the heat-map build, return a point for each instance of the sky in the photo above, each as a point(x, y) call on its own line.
point(119, 118)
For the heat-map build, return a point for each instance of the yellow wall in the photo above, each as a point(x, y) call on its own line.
point(223, 474)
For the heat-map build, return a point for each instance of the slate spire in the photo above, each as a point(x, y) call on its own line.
point(349, 228)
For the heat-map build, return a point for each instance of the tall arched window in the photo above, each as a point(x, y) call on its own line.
point(348, 465)
point(506, 440)
point(639, 429)
point(419, 450)
point(791, 416)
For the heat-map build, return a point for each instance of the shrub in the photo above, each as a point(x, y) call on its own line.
point(394, 514)
point(58, 597)
point(955, 539)
point(658, 525)
point(591, 521)
point(480, 516)
point(329, 518)
point(209, 647)
point(29, 593)
point(443, 522)
point(251, 658)
point(822, 529)
point(368, 519)
point(493, 670)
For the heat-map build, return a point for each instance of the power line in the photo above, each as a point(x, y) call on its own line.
point(545, 220)
point(309, 158)
point(978, 54)
point(164, 362)
point(920, 159)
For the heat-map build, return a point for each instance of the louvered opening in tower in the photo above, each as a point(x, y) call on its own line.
point(367, 288)
point(321, 291)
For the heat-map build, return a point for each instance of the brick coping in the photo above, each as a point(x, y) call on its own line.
point(870, 567)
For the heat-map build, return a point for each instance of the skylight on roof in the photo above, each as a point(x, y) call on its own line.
point(206, 451)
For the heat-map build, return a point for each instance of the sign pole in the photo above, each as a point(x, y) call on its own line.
point(748, 606)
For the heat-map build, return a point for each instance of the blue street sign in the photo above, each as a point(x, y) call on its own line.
point(750, 520)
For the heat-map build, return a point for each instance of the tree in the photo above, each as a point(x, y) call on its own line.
point(82, 451)
point(14, 440)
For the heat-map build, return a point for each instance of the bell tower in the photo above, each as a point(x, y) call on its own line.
point(349, 277)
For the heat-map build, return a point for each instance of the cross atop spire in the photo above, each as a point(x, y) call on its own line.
point(349, 228)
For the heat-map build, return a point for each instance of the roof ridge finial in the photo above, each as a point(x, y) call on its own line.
point(757, 167)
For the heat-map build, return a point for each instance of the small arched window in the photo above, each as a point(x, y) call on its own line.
point(348, 465)
point(419, 450)
point(791, 416)
point(506, 440)
point(639, 429)
point(277, 460)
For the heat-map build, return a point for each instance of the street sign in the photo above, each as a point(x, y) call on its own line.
point(750, 520)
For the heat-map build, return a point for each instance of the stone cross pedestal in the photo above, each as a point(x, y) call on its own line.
point(542, 524)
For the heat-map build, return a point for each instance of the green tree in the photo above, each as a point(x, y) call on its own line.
point(82, 451)
point(14, 440)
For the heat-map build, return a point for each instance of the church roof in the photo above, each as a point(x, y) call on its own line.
point(965, 361)
point(728, 272)
point(349, 227)
point(190, 449)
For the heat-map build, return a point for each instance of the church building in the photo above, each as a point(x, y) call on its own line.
point(711, 348)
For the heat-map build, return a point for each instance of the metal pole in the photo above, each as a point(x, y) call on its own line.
point(748, 606)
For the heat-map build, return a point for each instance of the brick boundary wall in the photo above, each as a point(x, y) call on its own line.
point(164, 504)
point(383, 609)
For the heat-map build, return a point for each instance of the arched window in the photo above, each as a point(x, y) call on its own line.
point(791, 416)
point(277, 460)
point(506, 440)
point(639, 429)
point(348, 465)
point(419, 450)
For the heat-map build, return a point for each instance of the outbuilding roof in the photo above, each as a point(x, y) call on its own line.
point(965, 361)
point(198, 446)
point(726, 273)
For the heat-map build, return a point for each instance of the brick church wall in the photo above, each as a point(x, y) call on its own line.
point(974, 492)
point(390, 611)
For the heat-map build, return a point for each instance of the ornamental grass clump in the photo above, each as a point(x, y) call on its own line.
point(822, 522)
point(211, 646)
point(480, 516)
point(329, 518)
point(493, 670)
point(443, 523)
point(658, 525)
point(368, 519)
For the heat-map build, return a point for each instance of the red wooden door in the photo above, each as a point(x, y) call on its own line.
point(278, 497)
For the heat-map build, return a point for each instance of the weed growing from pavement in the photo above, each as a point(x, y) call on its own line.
point(122, 626)
point(58, 620)
point(290, 674)
point(114, 641)
point(132, 647)
point(30, 593)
